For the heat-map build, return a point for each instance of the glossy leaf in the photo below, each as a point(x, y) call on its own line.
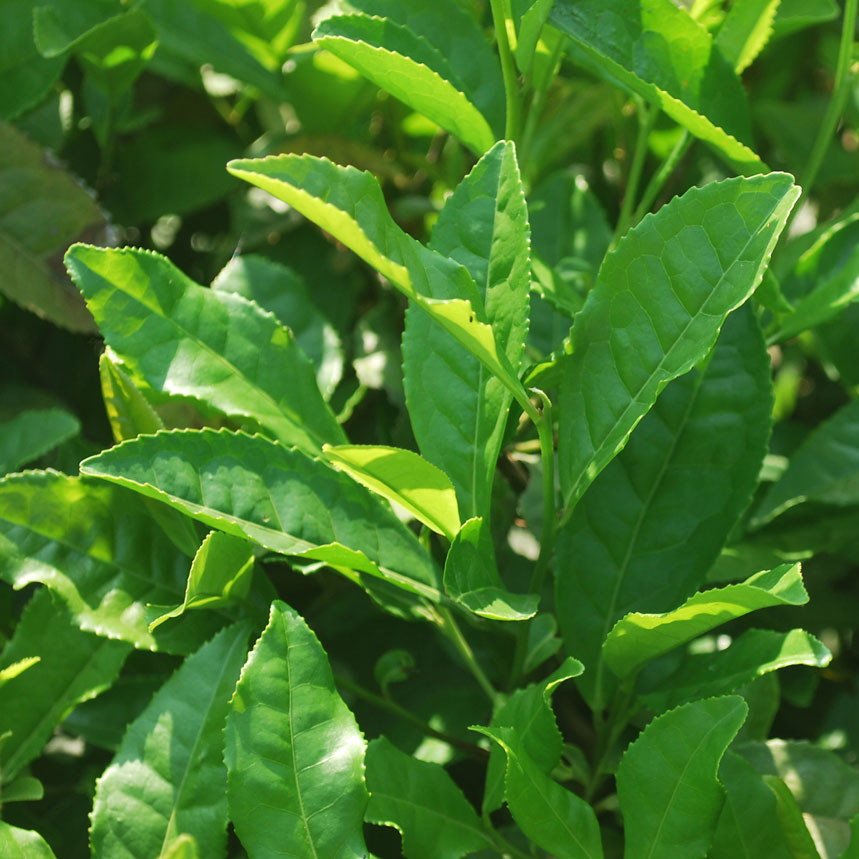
point(638, 638)
point(287, 502)
point(422, 802)
point(674, 815)
point(42, 209)
point(654, 49)
point(403, 477)
point(553, 817)
point(214, 346)
point(471, 577)
point(32, 433)
point(745, 31)
point(653, 523)
point(18, 843)
point(97, 548)
point(459, 411)
point(73, 666)
point(294, 753)
point(658, 304)
point(168, 777)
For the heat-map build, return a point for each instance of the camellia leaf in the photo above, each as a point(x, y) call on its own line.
point(457, 409)
point(168, 777)
point(294, 753)
point(656, 50)
point(18, 843)
point(73, 666)
point(674, 815)
point(746, 30)
point(412, 70)
point(471, 577)
point(32, 433)
point(653, 523)
point(553, 817)
point(403, 477)
point(422, 802)
point(215, 346)
point(638, 638)
point(287, 502)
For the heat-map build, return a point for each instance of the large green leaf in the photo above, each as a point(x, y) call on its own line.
point(294, 753)
point(168, 777)
point(32, 433)
point(251, 487)
point(412, 70)
point(669, 794)
point(658, 304)
point(42, 209)
point(655, 49)
point(423, 803)
point(824, 468)
point(638, 638)
point(746, 30)
point(97, 547)
point(650, 527)
point(215, 346)
point(553, 817)
point(73, 666)
point(458, 410)
point(18, 843)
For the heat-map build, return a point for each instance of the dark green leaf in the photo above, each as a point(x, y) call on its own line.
point(796, 15)
point(32, 434)
point(793, 825)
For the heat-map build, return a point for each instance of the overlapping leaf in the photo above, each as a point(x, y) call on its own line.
point(32, 433)
point(746, 30)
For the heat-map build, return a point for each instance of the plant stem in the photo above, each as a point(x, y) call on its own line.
point(451, 629)
point(646, 120)
point(654, 186)
point(508, 69)
point(608, 734)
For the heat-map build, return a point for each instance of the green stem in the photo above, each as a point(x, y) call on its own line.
point(655, 185)
point(833, 111)
point(608, 733)
point(451, 629)
point(508, 69)
point(646, 120)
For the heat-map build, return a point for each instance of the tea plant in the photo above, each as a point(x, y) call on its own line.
point(522, 584)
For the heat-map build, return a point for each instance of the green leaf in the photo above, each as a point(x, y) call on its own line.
point(825, 468)
point(16, 668)
point(553, 817)
point(658, 304)
point(215, 346)
point(422, 802)
point(32, 433)
point(96, 547)
point(669, 794)
point(183, 847)
point(73, 667)
point(403, 477)
point(308, 797)
point(24, 788)
point(459, 411)
point(793, 826)
point(42, 209)
point(794, 15)
point(220, 576)
point(745, 31)
point(18, 843)
point(529, 712)
point(654, 49)
point(638, 638)
point(287, 502)
point(543, 641)
point(645, 535)
point(852, 852)
point(755, 653)
point(532, 14)
point(472, 580)
point(168, 777)
point(409, 68)
point(281, 291)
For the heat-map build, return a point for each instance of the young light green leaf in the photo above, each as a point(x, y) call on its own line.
point(403, 477)
point(637, 638)
point(471, 577)
point(294, 754)
point(532, 15)
point(73, 666)
point(745, 31)
point(553, 817)
point(96, 547)
point(183, 847)
point(279, 290)
point(423, 803)
point(168, 777)
point(287, 502)
point(825, 468)
point(18, 843)
point(459, 411)
point(220, 575)
point(32, 433)
point(409, 68)
point(655, 520)
point(669, 794)
point(215, 346)
point(655, 49)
